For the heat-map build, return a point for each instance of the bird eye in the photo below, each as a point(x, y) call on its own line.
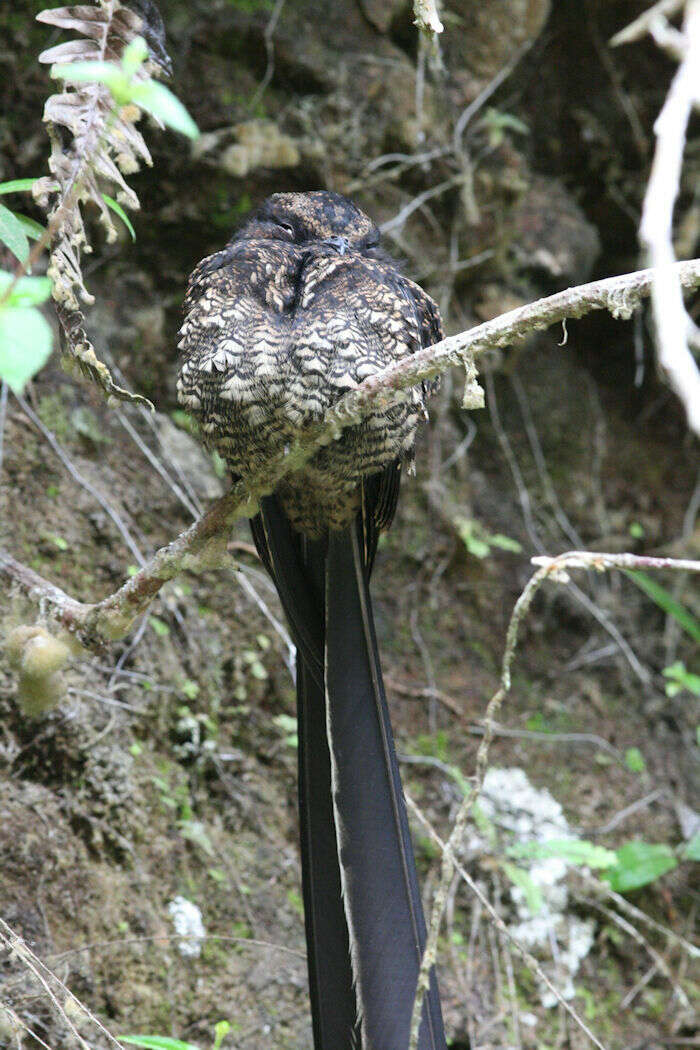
point(372, 239)
point(286, 226)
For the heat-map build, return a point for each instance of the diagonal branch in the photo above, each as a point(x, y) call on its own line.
point(202, 545)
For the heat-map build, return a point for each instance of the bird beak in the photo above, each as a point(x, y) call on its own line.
point(340, 244)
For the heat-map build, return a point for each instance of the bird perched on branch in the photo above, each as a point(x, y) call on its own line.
point(297, 309)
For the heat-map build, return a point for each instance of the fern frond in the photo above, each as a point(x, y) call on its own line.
point(93, 147)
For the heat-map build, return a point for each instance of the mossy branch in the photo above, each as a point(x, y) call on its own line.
point(202, 546)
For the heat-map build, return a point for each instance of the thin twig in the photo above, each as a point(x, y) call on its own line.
point(269, 39)
point(527, 958)
point(628, 811)
point(77, 476)
point(602, 889)
point(42, 973)
point(636, 936)
point(524, 497)
point(641, 25)
point(157, 465)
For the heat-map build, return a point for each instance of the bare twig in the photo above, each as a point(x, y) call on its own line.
point(628, 811)
point(269, 38)
point(83, 482)
point(203, 544)
point(21, 951)
point(641, 26)
point(636, 936)
point(581, 597)
point(602, 889)
point(554, 568)
point(498, 922)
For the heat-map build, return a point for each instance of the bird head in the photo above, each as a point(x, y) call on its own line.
point(305, 219)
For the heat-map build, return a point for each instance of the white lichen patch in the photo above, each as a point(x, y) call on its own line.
point(522, 814)
point(187, 920)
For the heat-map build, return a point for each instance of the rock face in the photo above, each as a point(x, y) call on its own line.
point(491, 34)
point(551, 235)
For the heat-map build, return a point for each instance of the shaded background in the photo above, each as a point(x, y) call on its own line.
point(170, 767)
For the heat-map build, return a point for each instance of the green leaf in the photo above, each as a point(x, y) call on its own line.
point(288, 727)
point(479, 541)
point(107, 73)
point(634, 760)
point(523, 880)
point(118, 210)
point(666, 601)
point(158, 101)
point(573, 851)
point(497, 539)
point(134, 56)
point(680, 679)
point(12, 234)
point(221, 1030)
point(195, 832)
point(157, 1042)
point(58, 541)
point(17, 185)
point(638, 864)
point(25, 344)
point(33, 229)
point(159, 626)
point(190, 689)
point(691, 849)
point(28, 291)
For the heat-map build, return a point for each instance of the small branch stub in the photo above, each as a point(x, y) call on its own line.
point(427, 18)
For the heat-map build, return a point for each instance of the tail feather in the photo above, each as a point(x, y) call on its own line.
point(331, 984)
point(364, 920)
point(377, 869)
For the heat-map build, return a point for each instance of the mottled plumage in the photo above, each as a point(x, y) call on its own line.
point(299, 308)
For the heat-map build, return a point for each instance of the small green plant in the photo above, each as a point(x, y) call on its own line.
point(632, 866)
point(287, 726)
point(480, 542)
point(665, 601)
point(157, 1042)
point(573, 851)
point(634, 760)
point(638, 864)
point(497, 123)
point(678, 680)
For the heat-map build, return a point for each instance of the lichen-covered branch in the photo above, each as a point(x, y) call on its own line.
point(202, 545)
point(549, 569)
